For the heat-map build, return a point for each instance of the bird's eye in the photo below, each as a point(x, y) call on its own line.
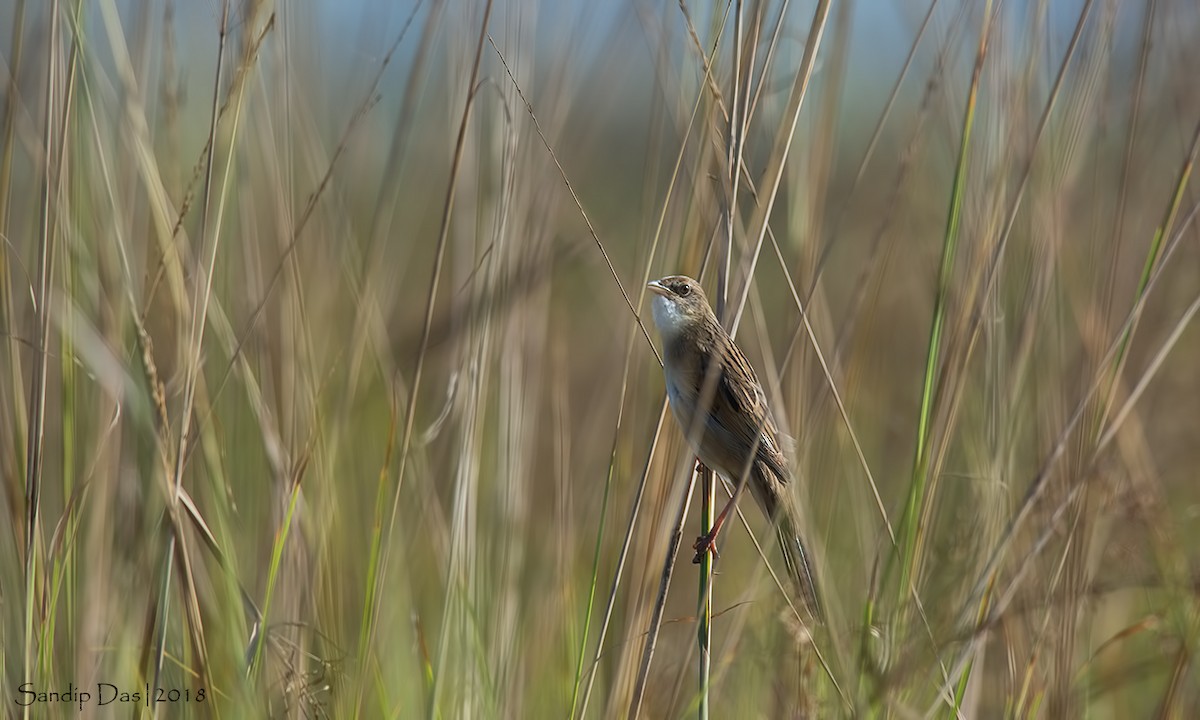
point(683, 291)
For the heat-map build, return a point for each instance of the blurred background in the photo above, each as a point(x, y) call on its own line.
point(323, 391)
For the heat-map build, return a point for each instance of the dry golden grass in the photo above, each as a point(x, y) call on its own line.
point(323, 387)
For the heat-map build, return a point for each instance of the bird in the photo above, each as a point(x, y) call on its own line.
point(735, 436)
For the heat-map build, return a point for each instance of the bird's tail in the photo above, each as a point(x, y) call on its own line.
point(799, 567)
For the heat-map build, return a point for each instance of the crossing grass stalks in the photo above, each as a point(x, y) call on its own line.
point(324, 390)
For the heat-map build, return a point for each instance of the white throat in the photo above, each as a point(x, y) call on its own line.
point(667, 317)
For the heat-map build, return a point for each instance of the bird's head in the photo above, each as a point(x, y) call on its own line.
point(678, 304)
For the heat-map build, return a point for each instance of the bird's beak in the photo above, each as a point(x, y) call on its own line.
point(658, 288)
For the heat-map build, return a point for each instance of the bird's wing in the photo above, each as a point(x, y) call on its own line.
point(739, 410)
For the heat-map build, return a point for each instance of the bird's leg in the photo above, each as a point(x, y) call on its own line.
point(708, 542)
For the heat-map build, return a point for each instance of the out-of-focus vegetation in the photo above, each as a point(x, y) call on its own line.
point(326, 396)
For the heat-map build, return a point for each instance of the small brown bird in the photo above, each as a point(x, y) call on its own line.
point(735, 436)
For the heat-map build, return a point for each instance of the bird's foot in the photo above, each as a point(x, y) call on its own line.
point(708, 542)
point(705, 544)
